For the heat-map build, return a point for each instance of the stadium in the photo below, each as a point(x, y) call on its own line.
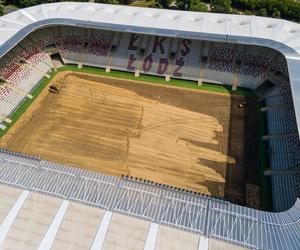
point(139, 128)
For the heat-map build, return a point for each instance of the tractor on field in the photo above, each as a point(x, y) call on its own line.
point(54, 88)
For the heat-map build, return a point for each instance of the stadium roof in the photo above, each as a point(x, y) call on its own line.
point(198, 214)
point(212, 217)
point(278, 34)
point(31, 220)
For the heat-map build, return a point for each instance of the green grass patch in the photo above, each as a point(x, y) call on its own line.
point(265, 181)
point(161, 80)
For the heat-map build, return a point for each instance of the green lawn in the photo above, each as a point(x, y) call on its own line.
point(161, 80)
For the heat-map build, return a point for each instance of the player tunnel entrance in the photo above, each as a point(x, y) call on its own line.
point(54, 54)
point(57, 60)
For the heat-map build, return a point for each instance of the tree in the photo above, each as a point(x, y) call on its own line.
point(221, 6)
point(125, 2)
point(1, 8)
point(107, 1)
point(196, 5)
point(248, 13)
point(262, 12)
point(276, 13)
point(27, 3)
point(182, 3)
point(193, 5)
point(164, 3)
point(235, 11)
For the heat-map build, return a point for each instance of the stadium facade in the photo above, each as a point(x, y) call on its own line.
point(242, 51)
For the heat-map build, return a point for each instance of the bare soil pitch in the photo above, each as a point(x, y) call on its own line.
point(169, 135)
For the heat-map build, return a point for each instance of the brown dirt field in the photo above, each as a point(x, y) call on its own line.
point(169, 135)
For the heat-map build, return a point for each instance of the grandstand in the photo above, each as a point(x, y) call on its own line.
point(260, 54)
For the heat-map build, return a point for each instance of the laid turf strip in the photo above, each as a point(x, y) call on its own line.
point(161, 80)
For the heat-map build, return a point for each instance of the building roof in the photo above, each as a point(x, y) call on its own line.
point(198, 214)
point(30, 220)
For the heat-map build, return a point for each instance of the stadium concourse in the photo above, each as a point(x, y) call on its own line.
point(241, 51)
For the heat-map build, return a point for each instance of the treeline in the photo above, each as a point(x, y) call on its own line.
point(288, 9)
point(28, 3)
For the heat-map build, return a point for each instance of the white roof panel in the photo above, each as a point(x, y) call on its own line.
point(30, 220)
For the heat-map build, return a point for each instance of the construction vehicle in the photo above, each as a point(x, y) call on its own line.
point(54, 88)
